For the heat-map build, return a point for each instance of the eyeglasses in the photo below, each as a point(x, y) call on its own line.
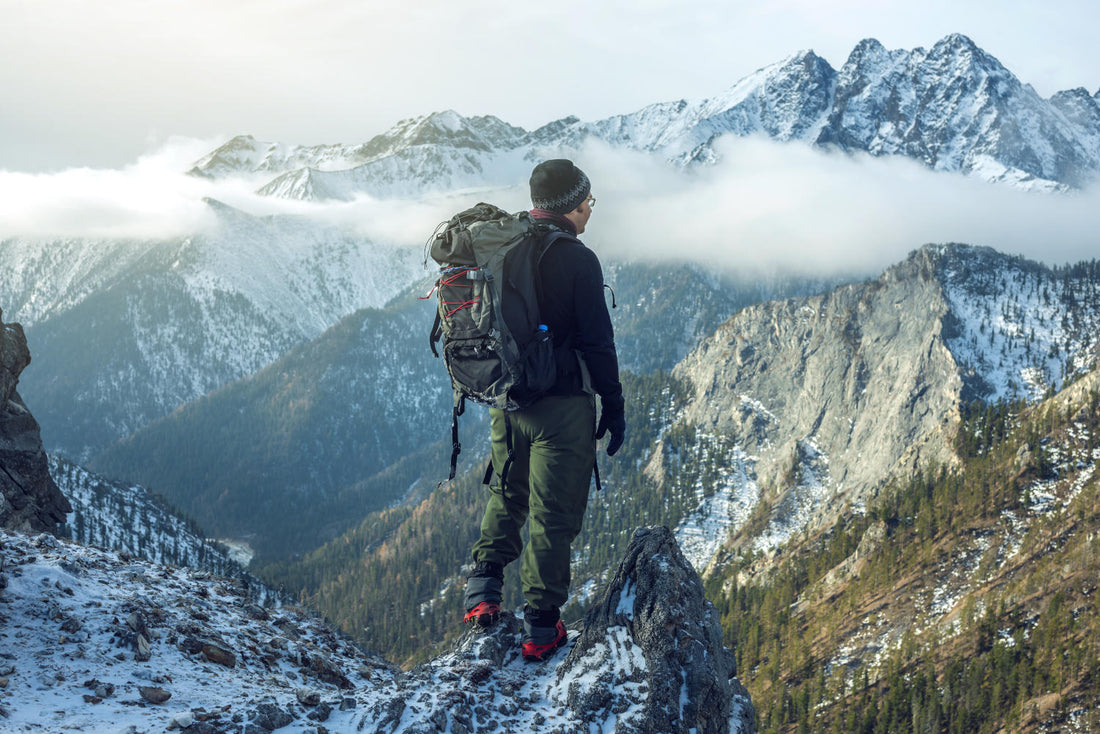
point(591, 201)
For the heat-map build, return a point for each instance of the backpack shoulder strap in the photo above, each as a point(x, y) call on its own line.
point(549, 239)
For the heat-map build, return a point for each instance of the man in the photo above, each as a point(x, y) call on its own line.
point(554, 440)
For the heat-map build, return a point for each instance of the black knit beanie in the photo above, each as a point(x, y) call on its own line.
point(558, 186)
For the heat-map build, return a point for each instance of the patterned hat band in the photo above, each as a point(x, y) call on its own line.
point(566, 201)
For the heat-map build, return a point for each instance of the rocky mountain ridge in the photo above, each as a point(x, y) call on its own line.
point(820, 400)
point(103, 641)
point(953, 107)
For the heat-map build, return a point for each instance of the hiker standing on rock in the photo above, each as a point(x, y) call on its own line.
point(552, 445)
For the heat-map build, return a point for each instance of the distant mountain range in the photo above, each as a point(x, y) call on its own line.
point(953, 107)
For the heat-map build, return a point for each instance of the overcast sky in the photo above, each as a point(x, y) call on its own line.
point(105, 105)
point(97, 83)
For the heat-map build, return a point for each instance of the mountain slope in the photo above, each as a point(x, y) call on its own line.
point(961, 600)
point(262, 456)
point(132, 520)
point(124, 332)
point(310, 429)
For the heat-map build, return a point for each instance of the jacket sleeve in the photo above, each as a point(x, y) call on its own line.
point(595, 338)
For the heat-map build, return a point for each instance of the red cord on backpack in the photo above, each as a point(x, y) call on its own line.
point(459, 305)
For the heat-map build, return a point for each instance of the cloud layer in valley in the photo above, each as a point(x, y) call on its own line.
point(765, 205)
point(788, 206)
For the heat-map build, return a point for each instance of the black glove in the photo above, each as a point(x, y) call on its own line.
point(612, 418)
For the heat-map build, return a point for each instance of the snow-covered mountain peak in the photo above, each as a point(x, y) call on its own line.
point(962, 47)
point(246, 156)
point(955, 108)
point(482, 133)
point(871, 60)
point(242, 153)
point(956, 57)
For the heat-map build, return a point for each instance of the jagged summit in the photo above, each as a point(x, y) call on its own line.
point(107, 640)
point(655, 602)
point(448, 127)
point(953, 107)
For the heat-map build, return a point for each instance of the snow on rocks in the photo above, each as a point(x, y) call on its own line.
point(211, 663)
point(659, 666)
point(1019, 328)
point(99, 643)
point(735, 495)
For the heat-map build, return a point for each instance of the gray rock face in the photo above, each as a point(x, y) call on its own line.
point(831, 394)
point(815, 403)
point(29, 499)
point(651, 650)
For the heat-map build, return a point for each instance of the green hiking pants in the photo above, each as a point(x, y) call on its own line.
point(554, 446)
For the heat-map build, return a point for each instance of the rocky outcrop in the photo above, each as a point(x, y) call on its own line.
point(649, 659)
point(160, 647)
point(816, 403)
point(651, 650)
point(29, 499)
point(848, 388)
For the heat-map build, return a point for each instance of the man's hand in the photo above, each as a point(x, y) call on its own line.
point(612, 418)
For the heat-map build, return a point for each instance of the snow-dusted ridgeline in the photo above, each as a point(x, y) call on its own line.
point(1004, 328)
point(131, 519)
point(954, 107)
point(123, 332)
point(1020, 328)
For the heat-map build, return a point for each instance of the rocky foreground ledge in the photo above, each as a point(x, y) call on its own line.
point(96, 641)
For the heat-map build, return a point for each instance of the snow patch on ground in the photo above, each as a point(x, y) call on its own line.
point(803, 502)
point(66, 633)
point(1021, 328)
point(702, 533)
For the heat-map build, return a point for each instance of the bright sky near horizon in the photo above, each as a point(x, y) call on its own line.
point(105, 105)
point(97, 84)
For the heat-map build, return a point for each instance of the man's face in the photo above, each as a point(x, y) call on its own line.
point(580, 216)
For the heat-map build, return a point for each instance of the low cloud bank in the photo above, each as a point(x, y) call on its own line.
point(764, 206)
point(770, 205)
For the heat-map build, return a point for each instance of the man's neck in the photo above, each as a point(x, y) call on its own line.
point(559, 219)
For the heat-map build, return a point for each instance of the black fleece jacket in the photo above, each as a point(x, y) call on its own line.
point(571, 302)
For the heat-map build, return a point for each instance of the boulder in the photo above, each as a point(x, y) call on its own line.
point(651, 654)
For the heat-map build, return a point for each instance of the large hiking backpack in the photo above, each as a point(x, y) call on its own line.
point(495, 347)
